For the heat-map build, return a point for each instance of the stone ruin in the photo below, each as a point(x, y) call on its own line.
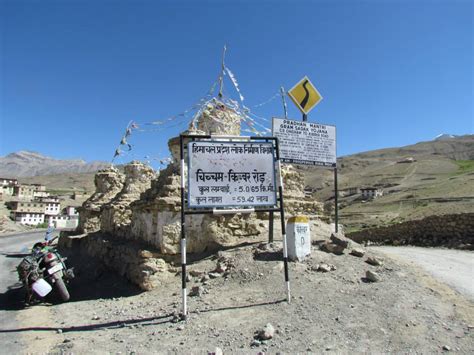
point(138, 211)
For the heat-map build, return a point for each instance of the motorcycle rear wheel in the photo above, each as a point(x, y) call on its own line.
point(62, 290)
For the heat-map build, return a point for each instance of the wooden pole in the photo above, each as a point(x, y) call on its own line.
point(221, 77)
point(282, 93)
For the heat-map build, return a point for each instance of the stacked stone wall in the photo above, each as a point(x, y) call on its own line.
point(452, 231)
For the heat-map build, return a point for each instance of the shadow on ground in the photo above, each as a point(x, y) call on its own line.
point(92, 281)
point(13, 299)
point(269, 256)
point(167, 318)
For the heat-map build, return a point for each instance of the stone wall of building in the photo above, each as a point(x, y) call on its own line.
point(452, 231)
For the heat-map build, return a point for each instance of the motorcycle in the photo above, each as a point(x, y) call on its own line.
point(44, 269)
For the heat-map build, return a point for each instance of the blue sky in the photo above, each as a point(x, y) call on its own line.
point(74, 73)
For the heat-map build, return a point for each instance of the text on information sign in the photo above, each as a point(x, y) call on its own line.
point(306, 143)
point(231, 174)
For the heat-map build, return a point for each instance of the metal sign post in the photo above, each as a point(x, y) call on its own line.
point(229, 175)
point(336, 212)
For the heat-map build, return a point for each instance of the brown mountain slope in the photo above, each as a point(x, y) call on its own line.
point(439, 180)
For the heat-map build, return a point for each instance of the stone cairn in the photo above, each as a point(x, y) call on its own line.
point(116, 215)
point(136, 215)
point(108, 183)
point(156, 217)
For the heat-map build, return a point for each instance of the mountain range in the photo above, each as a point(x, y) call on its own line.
point(26, 164)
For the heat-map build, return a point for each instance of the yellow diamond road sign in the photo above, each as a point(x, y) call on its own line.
point(305, 95)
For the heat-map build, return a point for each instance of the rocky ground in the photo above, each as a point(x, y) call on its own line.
point(238, 292)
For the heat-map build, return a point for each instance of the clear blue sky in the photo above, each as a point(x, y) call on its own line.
point(74, 73)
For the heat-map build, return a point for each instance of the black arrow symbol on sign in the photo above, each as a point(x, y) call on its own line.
point(306, 97)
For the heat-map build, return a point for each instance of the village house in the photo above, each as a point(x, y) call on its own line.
point(7, 186)
point(27, 212)
point(370, 193)
point(71, 212)
point(29, 191)
point(52, 208)
point(40, 191)
point(7, 181)
point(350, 191)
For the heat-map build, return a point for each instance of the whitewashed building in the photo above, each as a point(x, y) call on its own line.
point(27, 212)
point(7, 181)
point(71, 212)
point(52, 206)
point(29, 218)
point(370, 193)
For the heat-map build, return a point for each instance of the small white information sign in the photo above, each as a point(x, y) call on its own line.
point(306, 143)
point(231, 174)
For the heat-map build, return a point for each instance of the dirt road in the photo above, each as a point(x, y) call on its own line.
point(12, 250)
point(453, 267)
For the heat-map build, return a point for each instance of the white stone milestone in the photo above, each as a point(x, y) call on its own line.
point(298, 238)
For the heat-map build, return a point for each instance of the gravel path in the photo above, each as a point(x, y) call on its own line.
point(453, 267)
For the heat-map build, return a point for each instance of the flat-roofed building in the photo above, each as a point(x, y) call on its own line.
point(27, 212)
point(23, 191)
point(8, 181)
point(27, 206)
point(28, 191)
point(370, 193)
point(28, 218)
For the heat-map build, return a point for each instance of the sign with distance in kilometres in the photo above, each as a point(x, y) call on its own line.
point(231, 174)
point(305, 143)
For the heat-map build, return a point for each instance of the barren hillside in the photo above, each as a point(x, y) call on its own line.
point(426, 178)
point(26, 163)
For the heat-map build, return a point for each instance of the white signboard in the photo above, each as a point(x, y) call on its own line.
point(231, 174)
point(305, 143)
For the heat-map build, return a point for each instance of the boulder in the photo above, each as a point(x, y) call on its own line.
point(340, 239)
point(359, 252)
point(266, 332)
point(372, 276)
point(329, 247)
point(375, 261)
